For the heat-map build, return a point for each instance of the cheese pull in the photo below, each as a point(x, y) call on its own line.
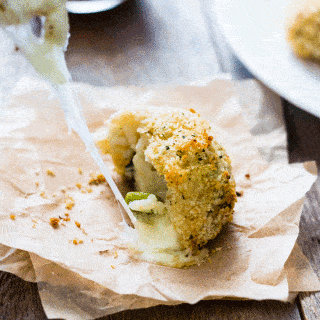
point(45, 52)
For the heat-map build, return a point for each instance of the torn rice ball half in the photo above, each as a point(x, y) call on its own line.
point(184, 189)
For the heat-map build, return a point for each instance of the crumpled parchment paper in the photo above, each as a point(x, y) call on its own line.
point(255, 258)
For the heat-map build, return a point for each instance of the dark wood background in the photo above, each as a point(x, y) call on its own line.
point(161, 42)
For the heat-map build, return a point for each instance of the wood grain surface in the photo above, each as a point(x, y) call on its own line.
point(160, 42)
point(141, 43)
point(309, 241)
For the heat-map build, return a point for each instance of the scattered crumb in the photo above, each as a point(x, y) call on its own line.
point(54, 195)
point(43, 195)
point(102, 251)
point(34, 220)
point(192, 110)
point(97, 179)
point(63, 224)
point(69, 203)
point(12, 217)
point(78, 185)
point(37, 184)
point(80, 171)
point(54, 222)
point(50, 173)
point(66, 214)
point(34, 226)
point(89, 190)
point(112, 266)
point(116, 255)
point(83, 191)
point(76, 241)
point(63, 190)
point(24, 214)
point(239, 193)
point(77, 224)
point(16, 48)
point(247, 175)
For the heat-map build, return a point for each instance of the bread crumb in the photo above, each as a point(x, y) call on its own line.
point(80, 171)
point(63, 190)
point(192, 110)
point(97, 179)
point(50, 173)
point(12, 217)
point(116, 255)
point(37, 184)
point(34, 220)
point(78, 185)
point(69, 203)
point(89, 190)
point(75, 241)
point(112, 266)
point(239, 193)
point(247, 175)
point(77, 224)
point(54, 222)
point(83, 191)
point(34, 226)
point(43, 195)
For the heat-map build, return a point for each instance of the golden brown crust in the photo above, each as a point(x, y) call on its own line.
point(304, 35)
point(201, 190)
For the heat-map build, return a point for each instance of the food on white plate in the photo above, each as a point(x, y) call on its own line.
point(184, 191)
point(303, 30)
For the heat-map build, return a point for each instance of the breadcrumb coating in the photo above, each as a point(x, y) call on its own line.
point(180, 147)
point(304, 35)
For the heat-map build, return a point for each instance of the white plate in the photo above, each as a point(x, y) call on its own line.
point(91, 6)
point(255, 29)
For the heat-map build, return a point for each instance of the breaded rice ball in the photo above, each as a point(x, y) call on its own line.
point(175, 157)
point(303, 28)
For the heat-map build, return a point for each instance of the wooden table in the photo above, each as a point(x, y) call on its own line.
point(161, 42)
